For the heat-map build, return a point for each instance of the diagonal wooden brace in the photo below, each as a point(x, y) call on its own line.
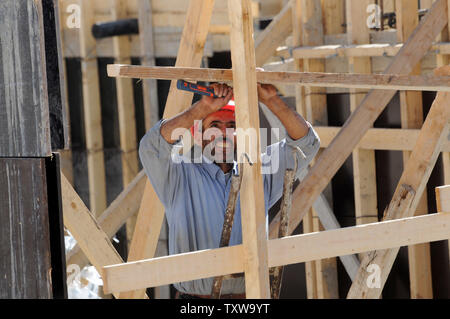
point(363, 118)
point(415, 176)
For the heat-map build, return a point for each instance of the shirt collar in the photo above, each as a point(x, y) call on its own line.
point(214, 170)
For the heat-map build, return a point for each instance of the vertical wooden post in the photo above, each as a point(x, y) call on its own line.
point(297, 25)
point(324, 284)
point(389, 5)
point(254, 232)
point(333, 16)
point(364, 171)
point(92, 110)
point(149, 87)
point(326, 269)
point(125, 99)
point(443, 199)
point(125, 107)
point(412, 118)
point(151, 212)
point(441, 61)
point(150, 97)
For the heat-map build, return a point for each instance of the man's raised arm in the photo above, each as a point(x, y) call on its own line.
point(296, 127)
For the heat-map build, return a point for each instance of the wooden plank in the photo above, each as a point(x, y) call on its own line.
point(165, 12)
point(149, 87)
point(273, 35)
point(316, 113)
point(24, 237)
point(126, 109)
point(443, 199)
point(54, 62)
point(285, 251)
point(364, 168)
point(270, 8)
point(86, 230)
point(196, 265)
point(151, 212)
point(115, 216)
point(254, 235)
point(378, 139)
point(333, 16)
point(411, 109)
point(167, 41)
point(426, 4)
point(363, 117)
point(414, 178)
point(92, 111)
point(310, 267)
point(300, 104)
point(172, 16)
point(297, 40)
point(309, 79)
point(442, 60)
point(125, 100)
point(24, 108)
point(327, 280)
point(358, 239)
point(389, 6)
point(352, 50)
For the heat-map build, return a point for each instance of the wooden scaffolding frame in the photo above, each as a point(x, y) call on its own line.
point(257, 253)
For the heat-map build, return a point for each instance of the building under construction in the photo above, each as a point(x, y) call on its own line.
point(83, 81)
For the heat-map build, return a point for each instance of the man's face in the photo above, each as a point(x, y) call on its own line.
point(219, 135)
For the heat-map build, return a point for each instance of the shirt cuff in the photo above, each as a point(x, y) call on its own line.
point(307, 143)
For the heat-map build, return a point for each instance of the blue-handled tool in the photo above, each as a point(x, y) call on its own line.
point(195, 88)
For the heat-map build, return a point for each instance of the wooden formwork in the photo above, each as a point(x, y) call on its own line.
point(356, 51)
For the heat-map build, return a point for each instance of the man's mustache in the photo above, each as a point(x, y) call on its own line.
point(223, 140)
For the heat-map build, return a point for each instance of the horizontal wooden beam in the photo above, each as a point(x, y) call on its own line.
point(378, 138)
point(166, 13)
point(339, 80)
point(289, 250)
point(352, 51)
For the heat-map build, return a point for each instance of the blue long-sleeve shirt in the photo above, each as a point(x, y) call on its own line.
point(195, 196)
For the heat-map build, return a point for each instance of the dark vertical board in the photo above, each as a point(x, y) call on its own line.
point(110, 114)
point(24, 118)
point(75, 99)
point(56, 92)
point(56, 224)
point(138, 106)
point(25, 264)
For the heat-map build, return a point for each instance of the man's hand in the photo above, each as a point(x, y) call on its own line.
point(266, 92)
point(224, 93)
point(295, 125)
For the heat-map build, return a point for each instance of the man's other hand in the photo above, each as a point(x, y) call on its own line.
point(266, 92)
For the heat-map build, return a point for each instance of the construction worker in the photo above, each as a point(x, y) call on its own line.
point(195, 194)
